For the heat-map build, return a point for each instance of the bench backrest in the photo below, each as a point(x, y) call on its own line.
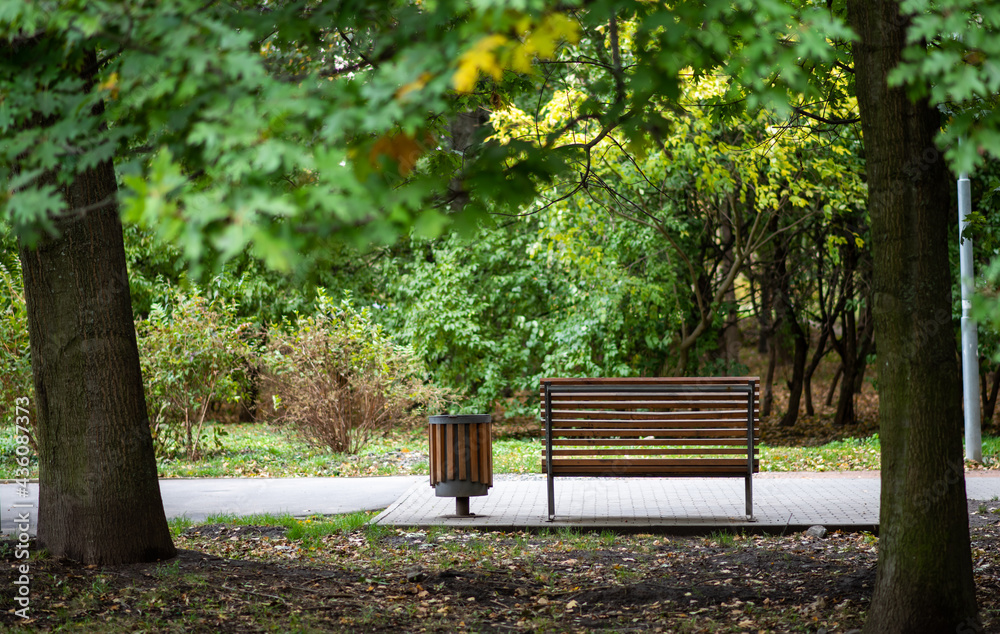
point(651, 426)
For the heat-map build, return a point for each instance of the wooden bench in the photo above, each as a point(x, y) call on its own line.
point(615, 427)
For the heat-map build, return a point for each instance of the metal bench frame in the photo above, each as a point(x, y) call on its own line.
point(743, 385)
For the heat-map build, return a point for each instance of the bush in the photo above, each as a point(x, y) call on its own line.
point(192, 353)
point(339, 378)
point(15, 357)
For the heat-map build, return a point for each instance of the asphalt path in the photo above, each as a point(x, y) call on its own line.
point(198, 498)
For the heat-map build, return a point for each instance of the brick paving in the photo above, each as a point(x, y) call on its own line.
point(782, 502)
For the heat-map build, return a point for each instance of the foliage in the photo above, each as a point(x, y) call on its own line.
point(472, 310)
point(343, 107)
point(671, 224)
point(952, 60)
point(492, 314)
point(340, 379)
point(15, 354)
point(986, 308)
point(193, 354)
point(325, 137)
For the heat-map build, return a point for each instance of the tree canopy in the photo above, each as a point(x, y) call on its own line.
point(286, 129)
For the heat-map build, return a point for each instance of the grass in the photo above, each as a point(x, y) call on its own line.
point(298, 528)
point(850, 454)
point(261, 450)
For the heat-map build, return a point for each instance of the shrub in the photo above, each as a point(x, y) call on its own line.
point(15, 357)
point(192, 353)
point(339, 378)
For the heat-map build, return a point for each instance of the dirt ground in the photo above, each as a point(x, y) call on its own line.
point(254, 579)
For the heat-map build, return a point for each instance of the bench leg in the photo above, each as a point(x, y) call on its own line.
point(749, 481)
point(552, 497)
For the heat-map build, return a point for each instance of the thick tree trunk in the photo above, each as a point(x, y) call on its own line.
point(99, 497)
point(924, 581)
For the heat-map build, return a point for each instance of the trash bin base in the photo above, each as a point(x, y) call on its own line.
point(460, 489)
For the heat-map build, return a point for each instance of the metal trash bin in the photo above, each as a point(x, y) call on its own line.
point(461, 457)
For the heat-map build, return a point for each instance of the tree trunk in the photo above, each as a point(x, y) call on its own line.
point(821, 351)
point(729, 336)
point(764, 325)
point(848, 358)
point(833, 385)
point(99, 497)
point(924, 581)
point(845, 402)
point(786, 315)
point(989, 393)
point(854, 373)
point(798, 375)
point(767, 398)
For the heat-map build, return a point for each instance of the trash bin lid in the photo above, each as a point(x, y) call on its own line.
point(459, 419)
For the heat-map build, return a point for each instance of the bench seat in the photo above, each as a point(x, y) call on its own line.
point(652, 427)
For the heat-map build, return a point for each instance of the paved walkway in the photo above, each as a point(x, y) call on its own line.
point(198, 498)
point(782, 502)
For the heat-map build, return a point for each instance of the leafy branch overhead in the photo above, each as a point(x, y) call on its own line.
point(281, 128)
point(263, 129)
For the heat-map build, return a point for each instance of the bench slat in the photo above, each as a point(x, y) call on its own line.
point(641, 433)
point(673, 442)
point(668, 406)
point(615, 469)
point(654, 423)
point(636, 414)
point(655, 462)
point(665, 451)
point(672, 394)
point(653, 380)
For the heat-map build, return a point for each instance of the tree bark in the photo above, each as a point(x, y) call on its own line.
point(764, 325)
point(767, 398)
point(99, 497)
point(824, 298)
point(845, 401)
point(924, 581)
point(821, 351)
point(786, 312)
point(729, 336)
point(989, 392)
point(857, 348)
point(833, 385)
point(798, 374)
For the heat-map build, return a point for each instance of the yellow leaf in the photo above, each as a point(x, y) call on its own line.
point(414, 85)
point(110, 84)
point(480, 58)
